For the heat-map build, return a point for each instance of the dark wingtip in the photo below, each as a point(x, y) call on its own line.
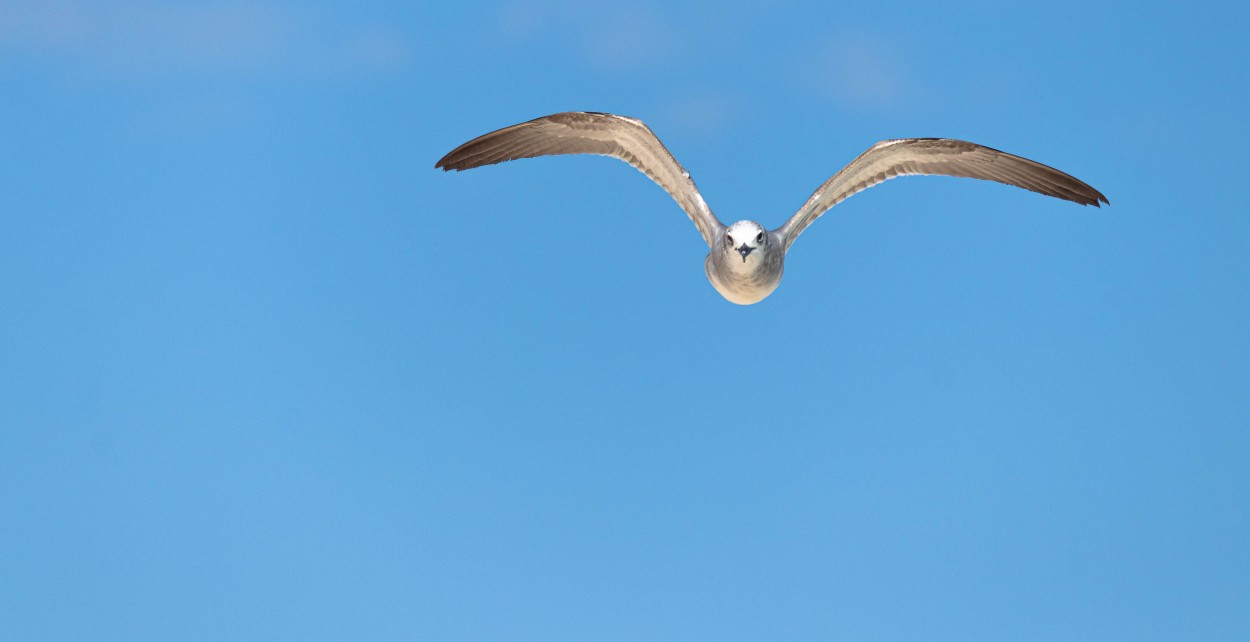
point(1093, 197)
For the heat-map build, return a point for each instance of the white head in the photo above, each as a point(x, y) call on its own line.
point(745, 237)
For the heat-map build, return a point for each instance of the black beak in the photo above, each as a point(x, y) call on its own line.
point(744, 251)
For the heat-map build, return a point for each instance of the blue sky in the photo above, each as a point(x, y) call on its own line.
point(269, 375)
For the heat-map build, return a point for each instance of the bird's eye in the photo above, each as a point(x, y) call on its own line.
point(759, 238)
point(729, 240)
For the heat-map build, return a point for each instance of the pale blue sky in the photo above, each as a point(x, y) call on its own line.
point(266, 374)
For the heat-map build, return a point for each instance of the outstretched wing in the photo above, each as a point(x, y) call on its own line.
point(591, 133)
point(943, 156)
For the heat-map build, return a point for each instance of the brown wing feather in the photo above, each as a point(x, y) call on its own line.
point(939, 156)
point(628, 139)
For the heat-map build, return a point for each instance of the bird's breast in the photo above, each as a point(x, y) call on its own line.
point(742, 282)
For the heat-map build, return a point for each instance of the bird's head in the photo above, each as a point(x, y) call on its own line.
point(745, 238)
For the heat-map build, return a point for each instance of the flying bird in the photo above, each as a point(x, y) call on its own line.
point(745, 261)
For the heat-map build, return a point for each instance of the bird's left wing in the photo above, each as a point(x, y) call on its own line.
point(945, 156)
point(625, 138)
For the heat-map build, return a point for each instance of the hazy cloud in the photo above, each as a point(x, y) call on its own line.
point(524, 20)
point(628, 39)
point(703, 113)
point(610, 38)
point(856, 70)
point(140, 39)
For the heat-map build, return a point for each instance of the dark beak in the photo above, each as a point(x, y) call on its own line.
point(744, 251)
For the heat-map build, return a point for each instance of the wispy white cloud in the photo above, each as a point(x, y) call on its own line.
point(628, 39)
point(704, 113)
point(525, 20)
point(855, 70)
point(610, 37)
point(375, 48)
point(144, 39)
point(625, 41)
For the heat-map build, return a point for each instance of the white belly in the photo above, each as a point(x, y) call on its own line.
point(744, 284)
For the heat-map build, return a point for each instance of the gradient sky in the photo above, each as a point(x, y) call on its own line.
point(266, 374)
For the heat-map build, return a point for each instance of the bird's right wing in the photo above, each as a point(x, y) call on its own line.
point(625, 138)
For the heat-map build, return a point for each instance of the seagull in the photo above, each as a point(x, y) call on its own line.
point(745, 261)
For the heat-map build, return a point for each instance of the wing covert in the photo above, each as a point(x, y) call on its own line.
point(936, 156)
point(621, 137)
